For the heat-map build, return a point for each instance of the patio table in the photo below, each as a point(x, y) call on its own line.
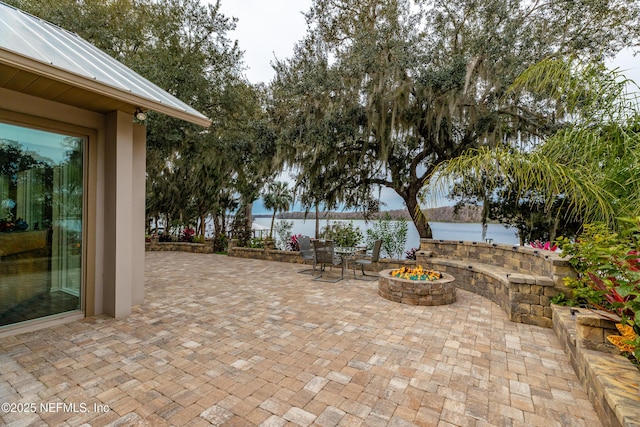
point(346, 253)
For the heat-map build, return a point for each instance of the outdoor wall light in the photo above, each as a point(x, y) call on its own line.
point(140, 115)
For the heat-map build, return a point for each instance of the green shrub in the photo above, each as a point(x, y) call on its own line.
point(220, 242)
point(393, 234)
point(346, 235)
point(283, 230)
point(166, 238)
point(256, 242)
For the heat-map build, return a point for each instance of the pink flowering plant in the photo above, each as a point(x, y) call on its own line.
point(547, 246)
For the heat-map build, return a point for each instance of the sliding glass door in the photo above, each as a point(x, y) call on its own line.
point(41, 207)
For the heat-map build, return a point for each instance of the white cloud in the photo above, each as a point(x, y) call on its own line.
point(266, 29)
point(627, 64)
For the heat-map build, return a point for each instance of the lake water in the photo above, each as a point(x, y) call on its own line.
point(441, 230)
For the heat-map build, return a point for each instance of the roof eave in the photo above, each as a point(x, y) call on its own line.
point(52, 72)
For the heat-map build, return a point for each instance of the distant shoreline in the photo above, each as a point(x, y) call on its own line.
point(469, 214)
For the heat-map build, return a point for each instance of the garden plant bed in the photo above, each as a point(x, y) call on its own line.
point(417, 292)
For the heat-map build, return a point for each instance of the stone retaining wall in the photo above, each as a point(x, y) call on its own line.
point(198, 248)
point(611, 381)
point(521, 280)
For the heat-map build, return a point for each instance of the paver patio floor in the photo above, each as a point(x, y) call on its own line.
point(237, 342)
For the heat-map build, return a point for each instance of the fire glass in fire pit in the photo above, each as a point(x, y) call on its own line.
point(417, 273)
point(417, 286)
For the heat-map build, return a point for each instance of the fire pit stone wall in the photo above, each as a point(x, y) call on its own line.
point(417, 292)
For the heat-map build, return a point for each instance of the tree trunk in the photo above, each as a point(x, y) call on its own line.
point(317, 222)
point(217, 226)
point(224, 223)
point(248, 209)
point(202, 225)
point(554, 229)
point(417, 216)
point(485, 218)
point(273, 221)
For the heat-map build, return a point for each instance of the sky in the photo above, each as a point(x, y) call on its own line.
point(266, 29)
point(269, 29)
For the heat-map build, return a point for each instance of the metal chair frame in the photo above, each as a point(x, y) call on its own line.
point(306, 253)
point(374, 257)
point(324, 255)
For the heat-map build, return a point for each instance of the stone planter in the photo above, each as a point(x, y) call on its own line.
point(611, 381)
point(201, 248)
point(417, 292)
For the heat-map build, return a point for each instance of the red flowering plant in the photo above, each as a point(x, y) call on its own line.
point(411, 254)
point(608, 267)
point(293, 244)
point(187, 235)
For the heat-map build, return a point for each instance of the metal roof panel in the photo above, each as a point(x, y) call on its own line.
point(38, 40)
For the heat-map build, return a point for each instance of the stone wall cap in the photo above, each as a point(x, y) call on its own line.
point(521, 278)
point(544, 281)
point(500, 246)
point(597, 318)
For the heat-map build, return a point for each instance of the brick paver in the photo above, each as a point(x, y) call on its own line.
point(236, 342)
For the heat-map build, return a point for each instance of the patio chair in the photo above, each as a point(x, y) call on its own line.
point(324, 255)
point(306, 253)
point(368, 260)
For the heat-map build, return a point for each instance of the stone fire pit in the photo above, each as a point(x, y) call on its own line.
point(417, 292)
